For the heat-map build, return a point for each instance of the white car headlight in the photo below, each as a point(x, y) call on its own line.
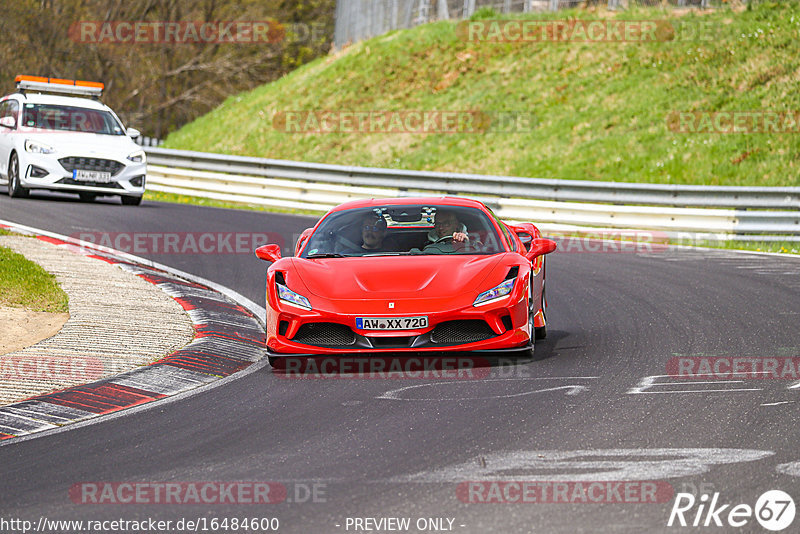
point(497, 292)
point(38, 148)
point(137, 157)
point(290, 297)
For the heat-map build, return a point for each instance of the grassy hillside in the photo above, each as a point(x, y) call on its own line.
point(601, 108)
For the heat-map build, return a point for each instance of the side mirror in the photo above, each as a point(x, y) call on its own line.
point(133, 133)
point(539, 247)
point(8, 122)
point(526, 239)
point(526, 232)
point(302, 240)
point(269, 253)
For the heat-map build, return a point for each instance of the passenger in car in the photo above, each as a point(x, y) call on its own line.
point(373, 233)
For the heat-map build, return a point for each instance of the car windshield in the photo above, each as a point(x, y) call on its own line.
point(70, 118)
point(393, 230)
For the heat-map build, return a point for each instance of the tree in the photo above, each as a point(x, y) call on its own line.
point(160, 84)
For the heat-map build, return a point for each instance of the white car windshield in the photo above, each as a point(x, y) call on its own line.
point(395, 230)
point(70, 118)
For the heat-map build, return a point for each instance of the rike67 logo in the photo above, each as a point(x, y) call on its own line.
point(774, 510)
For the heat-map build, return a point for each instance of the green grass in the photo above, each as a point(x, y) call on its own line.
point(601, 108)
point(3, 231)
point(25, 284)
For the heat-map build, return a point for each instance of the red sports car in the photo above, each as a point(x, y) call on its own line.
point(407, 275)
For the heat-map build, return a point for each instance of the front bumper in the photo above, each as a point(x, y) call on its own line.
point(409, 352)
point(45, 171)
point(498, 327)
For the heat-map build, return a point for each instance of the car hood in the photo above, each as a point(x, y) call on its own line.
point(408, 277)
point(87, 144)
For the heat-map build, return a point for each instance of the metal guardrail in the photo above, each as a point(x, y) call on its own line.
point(742, 213)
point(143, 140)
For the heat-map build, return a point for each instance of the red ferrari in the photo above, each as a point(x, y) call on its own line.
point(407, 275)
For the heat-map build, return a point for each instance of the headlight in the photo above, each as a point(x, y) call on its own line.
point(290, 297)
point(495, 293)
point(37, 147)
point(137, 157)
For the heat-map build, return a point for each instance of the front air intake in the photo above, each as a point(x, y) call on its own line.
point(462, 331)
point(325, 335)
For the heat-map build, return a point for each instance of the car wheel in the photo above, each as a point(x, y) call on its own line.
point(15, 189)
point(527, 352)
point(131, 201)
point(87, 197)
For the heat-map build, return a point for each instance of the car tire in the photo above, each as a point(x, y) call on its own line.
point(87, 197)
point(527, 352)
point(15, 189)
point(131, 201)
point(541, 331)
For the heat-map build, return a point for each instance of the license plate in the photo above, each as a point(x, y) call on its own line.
point(91, 176)
point(391, 323)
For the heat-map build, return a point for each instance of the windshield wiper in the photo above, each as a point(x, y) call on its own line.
point(387, 254)
point(326, 255)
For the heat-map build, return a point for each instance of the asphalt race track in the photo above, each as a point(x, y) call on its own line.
point(596, 404)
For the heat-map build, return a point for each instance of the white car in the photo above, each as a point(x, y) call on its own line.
point(67, 143)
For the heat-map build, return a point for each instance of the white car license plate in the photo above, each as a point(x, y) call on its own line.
point(91, 176)
point(391, 323)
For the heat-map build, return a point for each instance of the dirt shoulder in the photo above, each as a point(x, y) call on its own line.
point(23, 328)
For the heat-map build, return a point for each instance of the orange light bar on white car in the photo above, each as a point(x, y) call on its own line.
point(56, 85)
